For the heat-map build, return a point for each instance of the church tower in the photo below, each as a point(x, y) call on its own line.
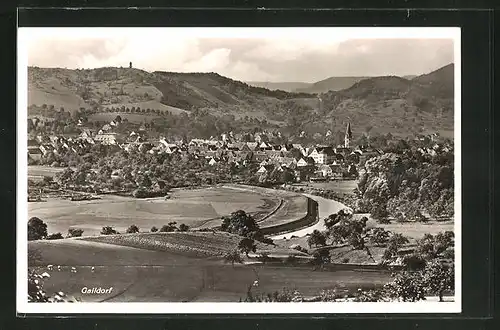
point(348, 136)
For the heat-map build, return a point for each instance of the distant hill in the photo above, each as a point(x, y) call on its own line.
point(377, 104)
point(393, 104)
point(284, 86)
point(330, 84)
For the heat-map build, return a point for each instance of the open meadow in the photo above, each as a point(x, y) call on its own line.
point(340, 186)
point(170, 276)
point(191, 207)
point(39, 171)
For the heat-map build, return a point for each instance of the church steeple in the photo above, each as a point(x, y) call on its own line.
point(348, 136)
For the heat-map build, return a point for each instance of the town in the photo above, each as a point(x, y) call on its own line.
point(292, 162)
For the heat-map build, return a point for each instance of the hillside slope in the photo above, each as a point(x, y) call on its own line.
point(378, 104)
point(394, 104)
point(116, 87)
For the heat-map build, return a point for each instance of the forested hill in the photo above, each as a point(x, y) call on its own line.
point(424, 103)
point(381, 104)
point(107, 87)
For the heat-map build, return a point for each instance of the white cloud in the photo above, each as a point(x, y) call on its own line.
point(268, 54)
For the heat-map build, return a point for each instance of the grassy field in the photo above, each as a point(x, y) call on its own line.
point(293, 208)
point(412, 230)
point(40, 171)
point(294, 205)
point(191, 207)
point(195, 244)
point(341, 186)
point(153, 276)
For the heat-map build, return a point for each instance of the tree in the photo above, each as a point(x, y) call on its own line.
point(247, 245)
point(398, 240)
point(75, 232)
point(348, 230)
point(321, 256)
point(232, 257)
point(394, 244)
point(154, 229)
point(431, 247)
point(170, 227)
point(183, 227)
point(55, 236)
point(37, 229)
point(132, 229)
point(407, 286)
point(107, 230)
point(239, 223)
point(316, 238)
point(379, 236)
point(438, 278)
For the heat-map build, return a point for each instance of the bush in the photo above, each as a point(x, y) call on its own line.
point(379, 236)
point(132, 229)
point(247, 245)
point(75, 232)
point(300, 248)
point(154, 229)
point(321, 257)
point(169, 228)
point(267, 240)
point(183, 227)
point(107, 230)
point(55, 236)
point(345, 260)
point(37, 229)
point(232, 257)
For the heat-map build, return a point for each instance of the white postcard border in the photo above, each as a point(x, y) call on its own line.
point(22, 304)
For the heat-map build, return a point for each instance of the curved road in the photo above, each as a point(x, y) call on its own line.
point(325, 208)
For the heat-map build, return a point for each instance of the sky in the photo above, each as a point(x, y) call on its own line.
point(269, 54)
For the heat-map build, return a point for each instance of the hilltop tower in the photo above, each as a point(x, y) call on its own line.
point(348, 136)
point(130, 65)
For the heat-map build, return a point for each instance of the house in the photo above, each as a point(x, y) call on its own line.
point(212, 162)
point(45, 148)
point(106, 138)
point(86, 134)
point(273, 154)
point(322, 155)
point(325, 170)
point(252, 145)
point(266, 169)
point(264, 162)
point(265, 146)
point(35, 154)
point(302, 162)
point(288, 162)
